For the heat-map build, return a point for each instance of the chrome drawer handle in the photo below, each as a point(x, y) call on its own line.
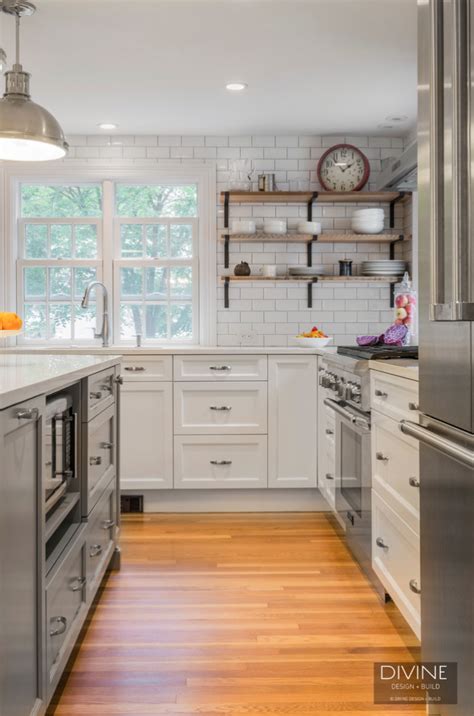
point(95, 461)
point(413, 584)
point(108, 524)
point(413, 482)
point(61, 626)
point(381, 457)
point(118, 379)
point(78, 584)
point(329, 432)
point(95, 395)
point(381, 394)
point(106, 446)
point(135, 368)
point(329, 476)
point(380, 543)
point(95, 550)
point(220, 368)
point(413, 406)
point(221, 463)
point(107, 388)
point(32, 414)
point(221, 408)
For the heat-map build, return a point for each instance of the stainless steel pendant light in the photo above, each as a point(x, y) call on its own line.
point(28, 132)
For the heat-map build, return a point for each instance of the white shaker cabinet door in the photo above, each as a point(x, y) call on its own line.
point(146, 435)
point(292, 421)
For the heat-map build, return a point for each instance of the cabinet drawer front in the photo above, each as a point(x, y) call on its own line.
point(220, 462)
point(220, 367)
point(100, 453)
point(143, 368)
point(65, 595)
point(395, 469)
point(398, 563)
point(100, 538)
point(394, 396)
point(99, 393)
point(233, 408)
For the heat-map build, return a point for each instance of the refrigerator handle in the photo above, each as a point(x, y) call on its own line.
point(447, 447)
point(455, 51)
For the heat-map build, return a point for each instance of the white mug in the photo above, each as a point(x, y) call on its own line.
point(270, 271)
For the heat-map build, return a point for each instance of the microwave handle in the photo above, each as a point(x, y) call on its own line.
point(75, 431)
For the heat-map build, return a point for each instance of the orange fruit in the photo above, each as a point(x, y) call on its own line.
point(10, 321)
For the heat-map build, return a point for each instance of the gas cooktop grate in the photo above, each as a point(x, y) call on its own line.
point(379, 352)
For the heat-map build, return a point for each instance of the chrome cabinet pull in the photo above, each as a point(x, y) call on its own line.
point(118, 380)
point(221, 408)
point(221, 463)
point(329, 432)
point(31, 414)
point(95, 550)
point(61, 627)
point(135, 368)
point(108, 524)
point(381, 394)
point(78, 584)
point(95, 395)
point(413, 584)
point(380, 543)
point(413, 482)
point(413, 406)
point(329, 476)
point(106, 446)
point(381, 457)
point(220, 368)
point(95, 461)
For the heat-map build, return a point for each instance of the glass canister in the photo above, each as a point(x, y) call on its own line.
point(405, 301)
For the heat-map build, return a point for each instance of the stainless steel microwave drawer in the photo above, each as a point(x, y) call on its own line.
point(98, 393)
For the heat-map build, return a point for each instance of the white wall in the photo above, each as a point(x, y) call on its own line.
point(269, 315)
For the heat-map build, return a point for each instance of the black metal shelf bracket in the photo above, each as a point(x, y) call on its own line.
point(393, 204)
point(310, 291)
point(226, 292)
point(226, 226)
point(309, 247)
point(392, 257)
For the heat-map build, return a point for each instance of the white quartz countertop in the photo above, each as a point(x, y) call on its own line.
point(184, 350)
point(25, 376)
point(403, 367)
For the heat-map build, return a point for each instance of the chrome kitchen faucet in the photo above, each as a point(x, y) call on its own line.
point(105, 331)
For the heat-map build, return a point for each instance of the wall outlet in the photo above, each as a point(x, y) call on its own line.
point(248, 338)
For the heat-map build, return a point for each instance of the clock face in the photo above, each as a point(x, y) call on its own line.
point(343, 168)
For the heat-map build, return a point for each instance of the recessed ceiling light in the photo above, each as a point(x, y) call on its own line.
point(397, 118)
point(107, 125)
point(236, 86)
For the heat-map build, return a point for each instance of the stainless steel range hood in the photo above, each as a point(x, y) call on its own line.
point(401, 173)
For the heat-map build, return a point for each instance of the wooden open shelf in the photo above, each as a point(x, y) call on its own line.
point(303, 197)
point(317, 279)
point(293, 237)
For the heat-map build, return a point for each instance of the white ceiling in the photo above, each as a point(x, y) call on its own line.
point(160, 66)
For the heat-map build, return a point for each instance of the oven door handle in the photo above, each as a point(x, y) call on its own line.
point(348, 415)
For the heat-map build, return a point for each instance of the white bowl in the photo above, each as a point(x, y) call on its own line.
point(313, 342)
point(274, 226)
point(243, 226)
point(367, 229)
point(368, 212)
point(309, 227)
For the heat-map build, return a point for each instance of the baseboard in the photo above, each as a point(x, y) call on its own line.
point(285, 500)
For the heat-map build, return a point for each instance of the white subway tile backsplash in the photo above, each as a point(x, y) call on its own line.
point(274, 312)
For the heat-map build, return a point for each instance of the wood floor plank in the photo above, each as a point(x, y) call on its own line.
point(234, 615)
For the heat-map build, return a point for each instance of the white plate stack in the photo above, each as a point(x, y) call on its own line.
point(368, 221)
point(383, 268)
point(307, 271)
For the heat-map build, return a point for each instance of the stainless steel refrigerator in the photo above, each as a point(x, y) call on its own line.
point(446, 280)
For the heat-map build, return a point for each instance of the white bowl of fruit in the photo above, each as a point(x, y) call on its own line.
point(315, 338)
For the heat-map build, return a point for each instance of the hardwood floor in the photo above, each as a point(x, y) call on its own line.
point(234, 615)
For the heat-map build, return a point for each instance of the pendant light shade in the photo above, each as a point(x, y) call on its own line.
point(28, 132)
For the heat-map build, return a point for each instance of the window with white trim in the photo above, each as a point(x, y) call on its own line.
point(60, 252)
point(151, 266)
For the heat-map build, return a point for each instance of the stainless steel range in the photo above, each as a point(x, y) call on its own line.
point(348, 380)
